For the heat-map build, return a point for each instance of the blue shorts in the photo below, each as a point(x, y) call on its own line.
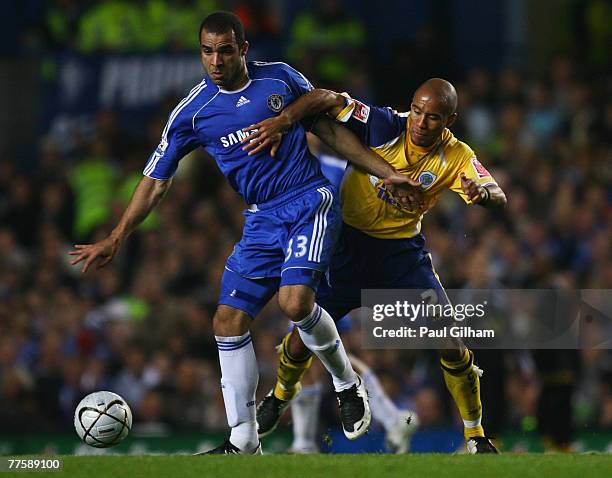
point(365, 262)
point(286, 241)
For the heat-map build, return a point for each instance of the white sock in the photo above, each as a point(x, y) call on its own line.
point(383, 409)
point(239, 377)
point(305, 416)
point(319, 334)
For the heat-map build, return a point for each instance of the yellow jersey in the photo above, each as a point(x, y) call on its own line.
point(367, 205)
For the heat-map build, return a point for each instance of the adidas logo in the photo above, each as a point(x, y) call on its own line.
point(242, 101)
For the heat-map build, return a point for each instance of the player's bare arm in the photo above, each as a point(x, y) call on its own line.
point(491, 196)
point(348, 145)
point(147, 195)
point(269, 132)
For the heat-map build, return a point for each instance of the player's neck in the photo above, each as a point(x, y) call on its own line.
point(241, 80)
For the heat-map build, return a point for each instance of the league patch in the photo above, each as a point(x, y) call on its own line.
point(427, 178)
point(480, 169)
point(361, 112)
point(275, 102)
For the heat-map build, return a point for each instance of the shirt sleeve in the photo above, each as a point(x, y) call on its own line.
point(375, 126)
point(298, 83)
point(473, 169)
point(177, 140)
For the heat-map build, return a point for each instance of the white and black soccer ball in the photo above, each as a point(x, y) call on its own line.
point(102, 419)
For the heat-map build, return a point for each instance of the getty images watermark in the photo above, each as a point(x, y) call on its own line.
point(487, 318)
point(412, 312)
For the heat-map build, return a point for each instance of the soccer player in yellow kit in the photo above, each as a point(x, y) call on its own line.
point(381, 244)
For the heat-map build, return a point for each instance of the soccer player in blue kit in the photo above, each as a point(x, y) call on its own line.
point(290, 226)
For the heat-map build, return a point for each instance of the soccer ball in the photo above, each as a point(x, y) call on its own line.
point(102, 419)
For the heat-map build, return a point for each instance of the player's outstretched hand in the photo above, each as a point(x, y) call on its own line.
point(407, 191)
point(475, 192)
point(102, 251)
point(266, 134)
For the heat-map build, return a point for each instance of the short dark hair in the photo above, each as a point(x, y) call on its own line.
point(222, 22)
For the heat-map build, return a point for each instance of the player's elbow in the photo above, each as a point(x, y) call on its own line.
point(337, 99)
point(157, 188)
point(335, 102)
point(162, 187)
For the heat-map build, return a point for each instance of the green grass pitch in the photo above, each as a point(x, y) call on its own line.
point(339, 466)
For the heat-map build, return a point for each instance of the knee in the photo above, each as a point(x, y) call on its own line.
point(296, 305)
point(296, 310)
point(230, 322)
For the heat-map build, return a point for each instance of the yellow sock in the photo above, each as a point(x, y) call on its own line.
point(463, 383)
point(289, 373)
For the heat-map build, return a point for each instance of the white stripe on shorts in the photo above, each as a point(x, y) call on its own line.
point(320, 225)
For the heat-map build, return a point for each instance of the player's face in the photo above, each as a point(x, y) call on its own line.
point(223, 59)
point(428, 118)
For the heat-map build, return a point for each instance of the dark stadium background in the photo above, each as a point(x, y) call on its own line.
point(85, 90)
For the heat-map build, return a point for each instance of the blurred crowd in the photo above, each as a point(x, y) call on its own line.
point(124, 26)
point(142, 326)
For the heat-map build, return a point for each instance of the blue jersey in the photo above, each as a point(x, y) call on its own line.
point(332, 168)
point(214, 118)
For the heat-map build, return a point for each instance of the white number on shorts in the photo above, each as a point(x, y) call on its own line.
point(301, 247)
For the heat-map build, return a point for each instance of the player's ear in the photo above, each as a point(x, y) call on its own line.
point(451, 119)
point(244, 48)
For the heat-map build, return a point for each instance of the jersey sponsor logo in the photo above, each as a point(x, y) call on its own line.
point(386, 196)
point(481, 171)
point(275, 102)
point(361, 112)
point(382, 192)
point(427, 178)
point(235, 137)
point(242, 101)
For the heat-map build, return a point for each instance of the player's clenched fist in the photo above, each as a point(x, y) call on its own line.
point(102, 251)
point(476, 193)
